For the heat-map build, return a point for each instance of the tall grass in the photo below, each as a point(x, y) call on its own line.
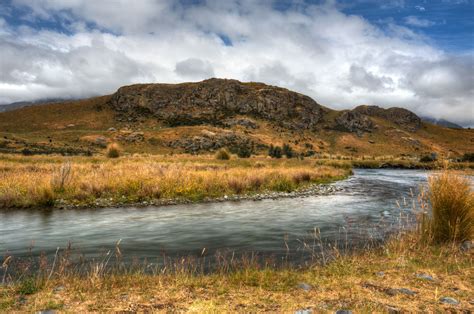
point(34, 181)
point(452, 202)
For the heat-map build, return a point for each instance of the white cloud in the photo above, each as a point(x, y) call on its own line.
point(339, 60)
point(416, 21)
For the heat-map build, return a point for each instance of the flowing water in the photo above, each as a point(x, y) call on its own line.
point(363, 210)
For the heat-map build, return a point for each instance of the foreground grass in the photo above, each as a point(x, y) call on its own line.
point(364, 282)
point(44, 181)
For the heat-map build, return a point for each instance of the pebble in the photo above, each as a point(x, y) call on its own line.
point(448, 300)
point(407, 291)
point(343, 312)
point(380, 274)
point(304, 311)
point(425, 277)
point(305, 286)
point(46, 312)
point(59, 289)
point(467, 246)
point(393, 310)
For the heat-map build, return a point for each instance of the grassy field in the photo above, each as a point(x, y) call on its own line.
point(47, 181)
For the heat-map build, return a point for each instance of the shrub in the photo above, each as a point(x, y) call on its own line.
point(428, 158)
point(244, 152)
point(61, 177)
point(275, 151)
point(468, 157)
point(222, 154)
point(452, 203)
point(288, 151)
point(26, 152)
point(113, 150)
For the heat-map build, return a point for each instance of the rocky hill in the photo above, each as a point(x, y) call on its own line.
point(204, 116)
point(214, 102)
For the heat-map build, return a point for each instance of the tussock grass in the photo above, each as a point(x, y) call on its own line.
point(41, 180)
point(113, 150)
point(452, 208)
point(222, 154)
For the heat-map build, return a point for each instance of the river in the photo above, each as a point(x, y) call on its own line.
point(363, 210)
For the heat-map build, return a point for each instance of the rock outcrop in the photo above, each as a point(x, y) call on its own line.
point(210, 141)
point(353, 121)
point(400, 116)
point(215, 100)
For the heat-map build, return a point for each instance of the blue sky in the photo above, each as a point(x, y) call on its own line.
point(413, 54)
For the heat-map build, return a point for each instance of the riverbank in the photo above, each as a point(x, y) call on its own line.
point(87, 182)
point(395, 164)
point(423, 267)
point(402, 276)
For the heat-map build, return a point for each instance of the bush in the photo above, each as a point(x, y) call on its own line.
point(428, 158)
point(288, 151)
point(244, 152)
point(222, 154)
point(275, 151)
point(468, 157)
point(113, 150)
point(26, 152)
point(452, 204)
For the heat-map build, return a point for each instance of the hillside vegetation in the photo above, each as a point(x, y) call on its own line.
point(206, 116)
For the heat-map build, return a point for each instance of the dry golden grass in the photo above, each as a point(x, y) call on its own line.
point(452, 208)
point(44, 181)
point(349, 282)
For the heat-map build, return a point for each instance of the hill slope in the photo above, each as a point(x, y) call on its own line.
point(205, 116)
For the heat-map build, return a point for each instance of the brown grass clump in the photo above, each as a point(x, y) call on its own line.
point(222, 154)
point(113, 151)
point(452, 203)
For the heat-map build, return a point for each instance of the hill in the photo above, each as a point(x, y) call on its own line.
point(442, 122)
point(205, 116)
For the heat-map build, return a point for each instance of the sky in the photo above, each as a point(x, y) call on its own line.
point(416, 54)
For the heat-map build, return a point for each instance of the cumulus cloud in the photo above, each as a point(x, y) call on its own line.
point(340, 60)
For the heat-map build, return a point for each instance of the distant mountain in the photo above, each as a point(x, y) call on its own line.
point(442, 122)
point(21, 104)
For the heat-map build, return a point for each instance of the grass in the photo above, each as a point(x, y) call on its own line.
point(348, 282)
point(39, 181)
point(113, 151)
point(371, 280)
point(452, 203)
point(222, 154)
